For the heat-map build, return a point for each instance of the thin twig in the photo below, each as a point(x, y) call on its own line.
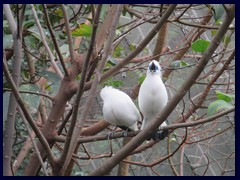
point(55, 41)
point(181, 160)
point(158, 161)
point(200, 25)
point(72, 18)
point(55, 67)
point(31, 92)
point(33, 142)
point(170, 158)
point(141, 45)
point(134, 133)
point(70, 40)
point(27, 114)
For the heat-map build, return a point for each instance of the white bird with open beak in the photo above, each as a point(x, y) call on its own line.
point(153, 95)
point(119, 109)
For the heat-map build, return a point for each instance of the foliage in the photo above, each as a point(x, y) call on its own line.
point(82, 30)
point(218, 106)
point(200, 45)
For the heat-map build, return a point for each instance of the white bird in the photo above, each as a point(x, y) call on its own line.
point(153, 95)
point(119, 109)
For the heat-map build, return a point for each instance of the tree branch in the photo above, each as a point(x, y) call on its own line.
point(33, 142)
point(107, 50)
point(55, 41)
point(70, 40)
point(26, 113)
point(134, 133)
point(156, 122)
point(16, 32)
point(52, 59)
point(81, 87)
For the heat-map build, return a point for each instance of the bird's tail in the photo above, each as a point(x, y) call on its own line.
point(134, 127)
point(163, 124)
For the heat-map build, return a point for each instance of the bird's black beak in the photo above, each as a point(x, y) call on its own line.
point(153, 67)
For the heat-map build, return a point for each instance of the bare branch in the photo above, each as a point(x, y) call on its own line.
point(16, 31)
point(55, 67)
point(27, 114)
point(55, 41)
point(70, 40)
point(33, 142)
point(107, 50)
point(81, 87)
point(31, 92)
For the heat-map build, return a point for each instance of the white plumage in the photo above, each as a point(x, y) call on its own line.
point(153, 95)
point(119, 109)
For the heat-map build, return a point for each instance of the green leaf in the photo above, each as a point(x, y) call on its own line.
point(82, 30)
point(32, 101)
point(30, 41)
point(35, 32)
point(223, 96)
point(214, 32)
point(117, 83)
point(141, 79)
point(118, 51)
point(28, 23)
point(200, 45)
point(218, 11)
point(176, 64)
point(218, 22)
point(53, 83)
point(217, 106)
point(182, 64)
point(112, 61)
point(58, 12)
point(114, 83)
point(226, 40)
point(132, 47)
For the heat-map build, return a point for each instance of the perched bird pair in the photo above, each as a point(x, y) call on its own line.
point(119, 109)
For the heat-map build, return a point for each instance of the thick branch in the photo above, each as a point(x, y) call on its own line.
point(107, 50)
point(26, 113)
point(16, 32)
point(81, 87)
